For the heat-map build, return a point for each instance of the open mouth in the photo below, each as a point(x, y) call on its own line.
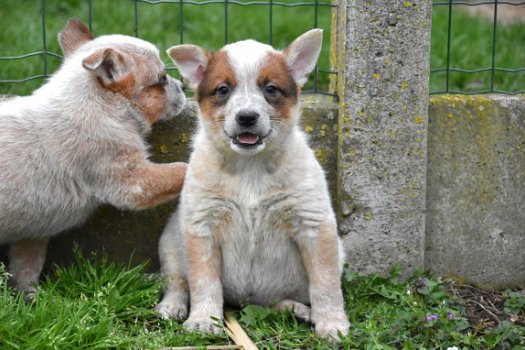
point(248, 139)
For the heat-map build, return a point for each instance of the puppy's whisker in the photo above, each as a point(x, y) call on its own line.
point(226, 133)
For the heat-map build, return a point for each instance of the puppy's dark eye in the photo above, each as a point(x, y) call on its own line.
point(270, 89)
point(163, 80)
point(223, 90)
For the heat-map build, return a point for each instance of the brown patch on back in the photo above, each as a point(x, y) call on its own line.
point(275, 71)
point(218, 72)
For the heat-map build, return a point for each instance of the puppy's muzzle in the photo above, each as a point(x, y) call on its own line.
point(247, 136)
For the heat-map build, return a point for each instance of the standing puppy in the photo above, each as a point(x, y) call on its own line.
point(255, 223)
point(78, 142)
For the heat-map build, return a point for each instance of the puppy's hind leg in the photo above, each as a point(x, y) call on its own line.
point(174, 304)
point(300, 310)
point(26, 260)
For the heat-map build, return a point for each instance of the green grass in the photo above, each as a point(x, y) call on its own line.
point(96, 304)
point(93, 304)
point(471, 48)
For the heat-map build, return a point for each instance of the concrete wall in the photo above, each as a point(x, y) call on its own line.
point(475, 225)
point(383, 55)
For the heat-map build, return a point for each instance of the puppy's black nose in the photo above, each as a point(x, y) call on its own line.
point(247, 118)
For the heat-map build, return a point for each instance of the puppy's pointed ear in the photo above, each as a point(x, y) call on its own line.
point(191, 61)
point(302, 54)
point(73, 35)
point(107, 64)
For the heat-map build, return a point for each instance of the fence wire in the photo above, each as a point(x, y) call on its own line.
point(452, 70)
point(321, 76)
point(473, 80)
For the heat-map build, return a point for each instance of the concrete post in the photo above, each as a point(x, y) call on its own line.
point(382, 55)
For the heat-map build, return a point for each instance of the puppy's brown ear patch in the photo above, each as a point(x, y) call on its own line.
point(73, 35)
point(111, 68)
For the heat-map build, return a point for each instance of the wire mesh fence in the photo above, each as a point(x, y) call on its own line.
point(477, 46)
point(207, 23)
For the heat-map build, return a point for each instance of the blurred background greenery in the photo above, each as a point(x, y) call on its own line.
point(471, 36)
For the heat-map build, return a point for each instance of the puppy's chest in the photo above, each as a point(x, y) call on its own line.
point(259, 228)
point(253, 219)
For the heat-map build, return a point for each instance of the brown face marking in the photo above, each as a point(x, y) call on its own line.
point(275, 72)
point(150, 94)
point(144, 88)
point(219, 72)
point(124, 86)
point(152, 102)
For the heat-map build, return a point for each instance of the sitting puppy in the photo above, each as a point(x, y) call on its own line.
point(255, 223)
point(78, 141)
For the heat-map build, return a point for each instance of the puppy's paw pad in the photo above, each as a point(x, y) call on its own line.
point(330, 329)
point(303, 312)
point(168, 310)
point(300, 310)
point(202, 324)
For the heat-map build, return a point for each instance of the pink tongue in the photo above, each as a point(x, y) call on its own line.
point(248, 139)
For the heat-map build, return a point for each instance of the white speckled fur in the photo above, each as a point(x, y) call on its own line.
point(257, 217)
point(67, 148)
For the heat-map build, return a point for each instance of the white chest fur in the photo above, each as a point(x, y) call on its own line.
point(256, 215)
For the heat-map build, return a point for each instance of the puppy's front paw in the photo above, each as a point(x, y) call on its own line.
point(205, 324)
point(300, 310)
point(167, 309)
point(330, 327)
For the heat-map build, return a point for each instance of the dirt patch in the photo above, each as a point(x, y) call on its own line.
point(485, 309)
